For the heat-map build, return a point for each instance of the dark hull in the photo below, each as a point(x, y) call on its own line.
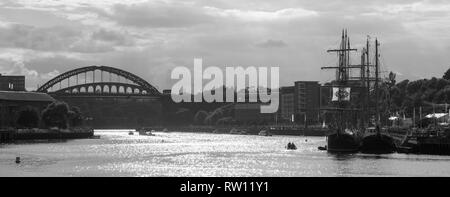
point(378, 144)
point(433, 145)
point(342, 143)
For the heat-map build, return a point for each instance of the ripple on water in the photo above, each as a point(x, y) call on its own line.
point(200, 154)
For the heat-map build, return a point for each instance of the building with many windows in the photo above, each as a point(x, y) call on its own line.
point(300, 103)
point(286, 107)
point(307, 102)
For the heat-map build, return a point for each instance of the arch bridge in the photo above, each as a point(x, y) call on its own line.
point(98, 81)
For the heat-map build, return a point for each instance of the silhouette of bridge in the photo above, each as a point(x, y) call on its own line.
point(98, 80)
point(112, 97)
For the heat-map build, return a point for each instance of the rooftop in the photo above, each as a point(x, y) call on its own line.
point(25, 96)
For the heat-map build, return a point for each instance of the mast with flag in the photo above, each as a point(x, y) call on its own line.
point(339, 140)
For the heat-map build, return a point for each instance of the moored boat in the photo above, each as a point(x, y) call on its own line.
point(264, 133)
point(146, 132)
point(432, 141)
point(340, 141)
point(238, 132)
point(376, 142)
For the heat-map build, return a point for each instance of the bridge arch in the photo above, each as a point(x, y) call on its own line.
point(140, 85)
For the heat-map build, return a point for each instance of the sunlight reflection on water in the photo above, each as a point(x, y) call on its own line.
point(199, 154)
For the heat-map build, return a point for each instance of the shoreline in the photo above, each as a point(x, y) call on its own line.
point(18, 135)
point(234, 130)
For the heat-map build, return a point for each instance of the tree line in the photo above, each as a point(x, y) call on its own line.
point(405, 97)
point(57, 114)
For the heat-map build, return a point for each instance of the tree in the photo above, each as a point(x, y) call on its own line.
point(183, 115)
point(390, 83)
point(200, 116)
point(56, 115)
point(75, 117)
point(29, 118)
point(226, 121)
point(391, 79)
point(214, 116)
point(447, 74)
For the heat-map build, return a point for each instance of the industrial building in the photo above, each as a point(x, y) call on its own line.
point(12, 83)
point(12, 102)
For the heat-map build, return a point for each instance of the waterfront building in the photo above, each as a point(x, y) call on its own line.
point(286, 109)
point(12, 102)
point(307, 102)
point(12, 83)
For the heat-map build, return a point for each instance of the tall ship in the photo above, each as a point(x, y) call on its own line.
point(374, 141)
point(342, 139)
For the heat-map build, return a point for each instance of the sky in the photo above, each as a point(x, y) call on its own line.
point(43, 38)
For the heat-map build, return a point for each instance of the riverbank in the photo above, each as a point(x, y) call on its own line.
point(248, 130)
point(422, 141)
point(12, 135)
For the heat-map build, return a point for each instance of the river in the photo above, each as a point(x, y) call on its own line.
point(200, 154)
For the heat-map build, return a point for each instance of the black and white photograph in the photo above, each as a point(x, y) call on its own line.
point(224, 88)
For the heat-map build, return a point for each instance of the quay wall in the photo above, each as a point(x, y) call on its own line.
point(249, 130)
point(11, 135)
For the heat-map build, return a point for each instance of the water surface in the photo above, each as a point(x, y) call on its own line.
point(200, 154)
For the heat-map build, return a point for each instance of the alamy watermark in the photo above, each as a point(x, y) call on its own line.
point(235, 79)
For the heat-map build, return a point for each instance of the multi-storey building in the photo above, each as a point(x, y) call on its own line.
point(286, 107)
point(307, 102)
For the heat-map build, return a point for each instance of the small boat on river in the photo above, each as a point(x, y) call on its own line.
point(264, 133)
point(291, 146)
point(146, 132)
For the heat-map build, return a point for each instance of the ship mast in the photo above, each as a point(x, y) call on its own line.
point(342, 74)
point(362, 78)
point(367, 63)
point(377, 108)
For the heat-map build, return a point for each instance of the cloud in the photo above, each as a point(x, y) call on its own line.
point(158, 15)
point(117, 38)
point(89, 46)
point(29, 37)
point(272, 44)
point(62, 38)
point(151, 37)
point(179, 15)
point(256, 15)
point(32, 77)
